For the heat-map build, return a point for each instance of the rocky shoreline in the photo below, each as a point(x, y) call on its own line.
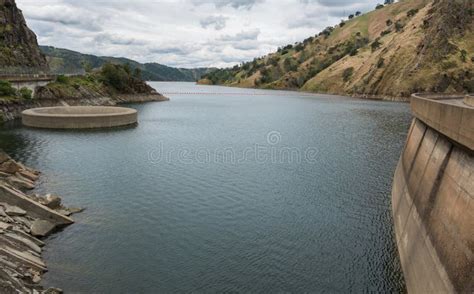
point(25, 218)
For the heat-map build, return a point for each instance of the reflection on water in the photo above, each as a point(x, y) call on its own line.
point(167, 211)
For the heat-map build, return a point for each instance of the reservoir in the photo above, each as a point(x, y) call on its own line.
point(225, 190)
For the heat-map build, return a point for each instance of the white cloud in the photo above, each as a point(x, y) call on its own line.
point(184, 33)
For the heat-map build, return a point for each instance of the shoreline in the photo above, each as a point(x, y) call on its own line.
point(25, 219)
point(357, 96)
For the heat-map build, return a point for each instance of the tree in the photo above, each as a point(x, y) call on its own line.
point(351, 16)
point(375, 44)
point(116, 76)
point(463, 55)
point(26, 93)
point(412, 12)
point(347, 74)
point(358, 13)
point(137, 73)
point(343, 23)
point(6, 89)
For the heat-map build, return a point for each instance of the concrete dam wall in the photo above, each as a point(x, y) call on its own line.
point(433, 197)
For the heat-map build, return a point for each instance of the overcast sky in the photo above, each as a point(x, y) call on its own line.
point(183, 33)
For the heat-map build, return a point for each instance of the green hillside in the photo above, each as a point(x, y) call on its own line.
point(67, 61)
point(391, 52)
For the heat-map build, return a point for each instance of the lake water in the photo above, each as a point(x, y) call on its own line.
point(230, 190)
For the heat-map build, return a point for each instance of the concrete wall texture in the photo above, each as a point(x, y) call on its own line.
point(79, 117)
point(433, 200)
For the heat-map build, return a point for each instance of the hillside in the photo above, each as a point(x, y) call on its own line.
point(67, 61)
point(18, 45)
point(391, 52)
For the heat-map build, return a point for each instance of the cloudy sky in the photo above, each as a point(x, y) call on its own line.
point(183, 33)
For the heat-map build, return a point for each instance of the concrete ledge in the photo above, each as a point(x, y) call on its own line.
point(79, 117)
point(449, 115)
point(12, 197)
point(469, 100)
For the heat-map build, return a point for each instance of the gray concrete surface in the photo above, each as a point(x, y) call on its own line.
point(79, 117)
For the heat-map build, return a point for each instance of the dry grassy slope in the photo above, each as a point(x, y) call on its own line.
point(403, 71)
point(415, 58)
point(396, 78)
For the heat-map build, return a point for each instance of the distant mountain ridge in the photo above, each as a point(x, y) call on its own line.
point(68, 61)
point(389, 53)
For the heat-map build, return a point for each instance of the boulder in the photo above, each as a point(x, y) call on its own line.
point(41, 228)
point(9, 167)
point(21, 183)
point(3, 157)
point(52, 201)
point(29, 175)
point(13, 210)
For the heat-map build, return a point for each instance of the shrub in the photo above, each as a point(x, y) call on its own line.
point(412, 12)
point(380, 63)
point(358, 13)
point(399, 26)
point(379, 6)
point(343, 23)
point(386, 32)
point(375, 44)
point(26, 93)
point(351, 16)
point(347, 74)
point(115, 76)
point(6, 89)
point(463, 55)
point(299, 47)
point(389, 22)
point(62, 79)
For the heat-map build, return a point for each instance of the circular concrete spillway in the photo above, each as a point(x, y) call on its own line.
point(79, 117)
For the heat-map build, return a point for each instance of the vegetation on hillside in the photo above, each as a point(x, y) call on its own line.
point(8, 92)
point(67, 61)
point(110, 80)
point(397, 49)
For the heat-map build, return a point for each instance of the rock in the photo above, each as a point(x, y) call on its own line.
point(36, 279)
point(53, 201)
point(3, 157)
point(4, 175)
point(29, 175)
point(74, 210)
point(53, 291)
point(41, 228)
point(65, 212)
point(21, 183)
point(5, 226)
point(25, 241)
point(13, 210)
point(9, 167)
